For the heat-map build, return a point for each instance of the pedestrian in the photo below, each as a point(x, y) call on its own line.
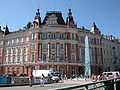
point(99, 78)
point(42, 78)
point(107, 82)
point(61, 78)
point(76, 76)
point(94, 78)
point(71, 77)
point(30, 79)
point(65, 77)
point(81, 76)
point(107, 77)
point(116, 76)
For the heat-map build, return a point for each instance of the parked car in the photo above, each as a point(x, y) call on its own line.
point(110, 74)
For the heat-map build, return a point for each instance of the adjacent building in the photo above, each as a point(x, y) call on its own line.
point(58, 44)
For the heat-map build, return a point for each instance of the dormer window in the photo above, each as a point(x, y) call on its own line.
point(52, 19)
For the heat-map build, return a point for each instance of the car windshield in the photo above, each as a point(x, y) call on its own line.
point(55, 74)
point(109, 73)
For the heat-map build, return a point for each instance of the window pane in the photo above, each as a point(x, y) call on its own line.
point(53, 46)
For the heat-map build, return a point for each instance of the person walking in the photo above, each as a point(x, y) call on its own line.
point(94, 78)
point(107, 77)
point(99, 78)
point(42, 78)
point(30, 79)
point(116, 76)
point(107, 82)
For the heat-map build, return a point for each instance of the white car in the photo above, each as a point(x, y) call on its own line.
point(110, 74)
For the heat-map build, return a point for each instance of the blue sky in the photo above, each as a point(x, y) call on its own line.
point(106, 13)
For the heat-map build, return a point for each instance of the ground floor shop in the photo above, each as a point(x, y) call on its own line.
point(64, 69)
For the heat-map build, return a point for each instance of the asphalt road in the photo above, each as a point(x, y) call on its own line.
point(48, 86)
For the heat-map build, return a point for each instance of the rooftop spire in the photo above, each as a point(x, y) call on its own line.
point(37, 19)
point(69, 12)
point(94, 29)
point(37, 12)
point(70, 21)
point(94, 25)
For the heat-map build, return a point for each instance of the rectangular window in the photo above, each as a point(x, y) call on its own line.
point(82, 39)
point(73, 70)
point(44, 46)
point(24, 39)
point(73, 36)
point(53, 46)
point(62, 36)
point(61, 46)
point(44, 36)
point(33, 47)
point(61, 56)
point(73, 46)
point(73, 58)
point(52, 35)
point(33, 36)
point(33, 57)
point(57, 35)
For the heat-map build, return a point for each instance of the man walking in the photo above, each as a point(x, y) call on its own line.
point(42, 78)
point(30, 79)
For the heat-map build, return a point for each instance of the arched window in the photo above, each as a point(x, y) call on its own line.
point(53, 56)
point(44, 57)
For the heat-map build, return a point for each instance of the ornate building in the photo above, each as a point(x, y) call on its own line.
point(54, 43)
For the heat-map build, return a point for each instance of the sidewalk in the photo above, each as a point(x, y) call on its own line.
point(64, 83)
point(51, 86)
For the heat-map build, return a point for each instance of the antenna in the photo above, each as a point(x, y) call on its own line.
point(38, 3)
point(69, 4)
point(6, 22)
point(54, 4)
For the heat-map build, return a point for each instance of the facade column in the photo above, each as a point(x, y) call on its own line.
point(66, 52)
point(101, 55)
point(48, 55)
point(37, 52)
point(40, 51)
point(57, 55)
point(80, 60)
point(77, 53)
point(29, 53)
point(96, 55)
point(69, 51)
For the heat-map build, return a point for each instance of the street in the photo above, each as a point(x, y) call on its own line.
point(48, 86)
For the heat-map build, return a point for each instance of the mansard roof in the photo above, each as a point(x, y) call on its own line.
point(57, 14)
